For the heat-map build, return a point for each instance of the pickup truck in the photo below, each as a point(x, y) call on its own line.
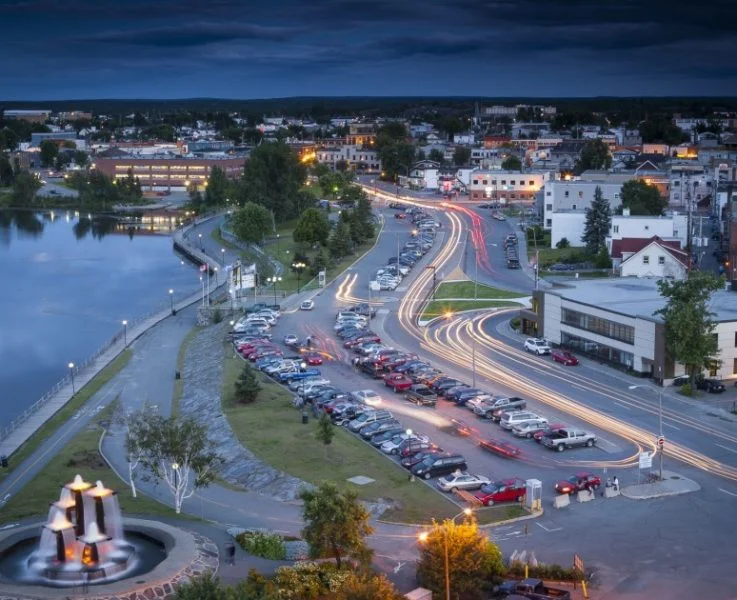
point(373, 369)
point(494, 409)
point(534, 589)
point(561, 439)
point(421, 395)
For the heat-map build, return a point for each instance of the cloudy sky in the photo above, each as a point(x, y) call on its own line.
point(59, 49)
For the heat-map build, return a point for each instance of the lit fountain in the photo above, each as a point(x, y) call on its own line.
point(83, 539)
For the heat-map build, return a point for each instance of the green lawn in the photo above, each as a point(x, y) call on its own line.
point(465, 289)
point(179, 383)
point(272, 429)
point(67, 411)
point(439, 308)
point(80, 455)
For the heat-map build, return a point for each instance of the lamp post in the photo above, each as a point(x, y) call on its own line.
point(298, 266)
point(273, 280)
point(175, 468)
point(222, 254)
point(200, 236)
point(423, 537)
point(303, 366)
point(202, 281)
point(217, 282)
point(661, 447)
point(434, 279)
point(171, 300)
point(125, 334)
point(71, 371)
point(277, 244)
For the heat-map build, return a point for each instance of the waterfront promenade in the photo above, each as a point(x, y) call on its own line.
point(32, 419)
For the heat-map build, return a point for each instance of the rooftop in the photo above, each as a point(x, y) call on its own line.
point(636, 297)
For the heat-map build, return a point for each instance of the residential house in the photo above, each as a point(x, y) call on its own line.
point(357, 158)
point(464, 139)
point(652, 257)
point(424, 175)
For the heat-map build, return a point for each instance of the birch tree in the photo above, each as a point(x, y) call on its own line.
point(138, 432)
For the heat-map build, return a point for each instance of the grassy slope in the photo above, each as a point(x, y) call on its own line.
point(465, 289)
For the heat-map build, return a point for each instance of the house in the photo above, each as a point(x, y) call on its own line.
point(653, 257)
point(424, 175)
point(464, 139)
point(671, 227)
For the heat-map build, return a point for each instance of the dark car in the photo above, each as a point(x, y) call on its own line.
point(500, 448)
point(378, 439)
point(452, 394)
point(411, 460)
point(413, 445)
point(372, 429)
point(711, 386)
point(564, 357)
point(444, 383)
point(437, 466)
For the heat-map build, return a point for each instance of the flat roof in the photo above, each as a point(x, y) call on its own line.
point(636, 297)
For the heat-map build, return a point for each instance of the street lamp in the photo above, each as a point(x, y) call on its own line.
point(125, 334)
point(200, 236)
point(298, 266)
point(202, 281)
point(171, 300)
point(434, 280)
point(217, 283)
point(175, 467)
point(222, 253)
point(661, 447)
point(273, 280)
point(277, 244)
point(424, 536)
point(71, 370)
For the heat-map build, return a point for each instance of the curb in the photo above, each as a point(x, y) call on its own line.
point(486, 526)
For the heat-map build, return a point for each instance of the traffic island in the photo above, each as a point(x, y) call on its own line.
point(672, 484)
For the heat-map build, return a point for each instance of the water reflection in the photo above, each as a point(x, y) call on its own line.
point(27, 223)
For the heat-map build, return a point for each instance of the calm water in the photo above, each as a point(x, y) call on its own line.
point(68, 283)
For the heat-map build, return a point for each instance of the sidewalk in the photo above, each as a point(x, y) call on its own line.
point(672, 485)
point(33, 419)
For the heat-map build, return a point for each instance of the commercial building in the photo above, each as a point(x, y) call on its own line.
point(506, 186)
point(75, 115)
point(165, 173)
point(57, 136)
point(357, 158)
point(31, 116)
point(614, 321)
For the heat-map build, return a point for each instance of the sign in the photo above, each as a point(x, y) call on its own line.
point(374, 286)
point(578, 563)
point(661, 440)
point(321, 276)
point(646, 460)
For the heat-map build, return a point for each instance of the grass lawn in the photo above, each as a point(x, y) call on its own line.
point(438, 308)
point(292, 447)
point(465, 289)
point(67, 411)
point(80, 455)
point(179, 383)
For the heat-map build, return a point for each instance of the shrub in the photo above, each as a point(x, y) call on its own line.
point(515, 323)
point(563, 243)
point(265, 545)
point(217, 316)
point(686, 389)
point(602, 260)
point(543, 571)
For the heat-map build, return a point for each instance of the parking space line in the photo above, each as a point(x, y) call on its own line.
point(726, 492)
point(727, 448)
point(549, 530)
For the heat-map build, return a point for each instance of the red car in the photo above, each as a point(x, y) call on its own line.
point(364, 339)
point(398, 382)
point(578, 483)
point(505, 490)
point(504, 449)
point(460, 428)
point(564, 357)
point(539, 435)
point(313, 358)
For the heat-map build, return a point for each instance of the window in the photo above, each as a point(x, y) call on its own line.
point(486, 181)
point(548, 193)
point(512, 182)
point(647, 227)
point(566, 194)
point(493, 182)
point(504, 182)
point(734, 366)
point(661, 260)
point(616, 229)
point(616, 196)
point(598, 325)
point(548, 207)
point(531, 183)
point(646, 260)
point(735, 339)
point(548, 222)
point(475, 181)
point(580, 193)
point(573, 207)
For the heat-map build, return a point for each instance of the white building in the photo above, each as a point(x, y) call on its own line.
point(654, 258)
point(673, 226)
point(424, 175)
point(357, 158)
point(507, 185)
point(613, 320)
point(464, 139)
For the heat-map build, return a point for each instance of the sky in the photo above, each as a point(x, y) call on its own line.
point(69, 49)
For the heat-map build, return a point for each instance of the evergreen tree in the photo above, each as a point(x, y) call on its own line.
point(49, 151)
point(594, 155)
point(461, 156)
point(321, 261)
point(340, 241)
point(217, 187)
point(598, 222)
point(247, 386)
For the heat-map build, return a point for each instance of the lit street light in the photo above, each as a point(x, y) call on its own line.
point(217, 283)
point(175, 467)
point(171, 300)
point(125, 334)
point(273, 280)
point(277, 244)
point(222, 253)
point(200, 236)
point(424, 536)
point(71, 370)
point(298, 266)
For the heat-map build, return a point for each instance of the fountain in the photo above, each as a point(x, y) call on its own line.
point(83, 540)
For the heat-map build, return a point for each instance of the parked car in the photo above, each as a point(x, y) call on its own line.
point(392, 445)
point(372, 429)
point(370, 416)
point(534, 589)
point(537, 346)
point(500, 448)
point(504, 490)
point(436, 466)
point(711, 386)
point(564, 357)
point(414, 445)
point(539, 435)
point(529, 428)
point(577, 483)
point(307, 305)
point(379, 439)
point(397, 381)
point(517, 417)
point(369, 397)
point(461, 481)
point(290, 339)
point(421, 395)
point(411, 460)
point(568, 438)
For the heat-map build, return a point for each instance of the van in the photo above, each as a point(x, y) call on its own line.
point(510, 419)
point(369, 417)
point(437, 466)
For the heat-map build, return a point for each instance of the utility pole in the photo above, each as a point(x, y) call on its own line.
point(537, 267)
point(660, 419)
point(473, 360)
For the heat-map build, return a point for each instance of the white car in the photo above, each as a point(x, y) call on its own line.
point(529, 428)
point(462, 481)
point(537, 346)
point(369, 397)
point(307, 305)
point(290, 339)
point(310, 385)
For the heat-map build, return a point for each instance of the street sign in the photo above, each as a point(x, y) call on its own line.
point(661, 440)
point(578, 563)
point(321, 276)
point(646, 460)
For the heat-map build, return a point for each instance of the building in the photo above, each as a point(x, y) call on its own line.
point(654, 257)
point(614, 321)
point(357, 158)
point(424, 175)
point(167, 172)
point(31, 116)
point(673, 226)
point(56, 136)
point(361, 134)
point(507, 185)
point(75, 115)
point(208, 146)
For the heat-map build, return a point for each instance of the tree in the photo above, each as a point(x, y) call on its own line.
point(594, 155)
point(205, 586)
point(247, 386)
point(642, 198)
point(313, 227)
point(689, 324)
point(7, 174)
point(134, 445)
point(367, 586)
point(563, 243)
point(512, 163)
point(321, 262)
point(336, 523)
point(340, 241)
point(472, 558)
point(177, 451)
point(461, 156)
point(9, 139)
point(598, 222)
point(80, 158)
point(364, 217)
point(396, 158)
point(217, 187)
point(129, 189)
point(273, 177)
point(25, 187)
point(251, 222)
point(325, 431)
point(49, 150)
point(436, 156)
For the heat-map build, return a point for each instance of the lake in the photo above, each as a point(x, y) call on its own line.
point(70, 280)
